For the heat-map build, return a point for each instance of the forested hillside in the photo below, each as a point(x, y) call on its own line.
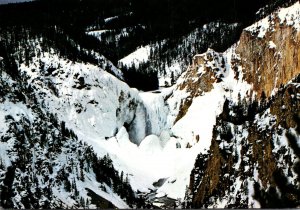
point(135, 23)
point(149, 104)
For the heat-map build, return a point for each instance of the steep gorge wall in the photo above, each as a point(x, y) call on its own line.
point(207, 69)
point(253, 159)
point(270, 57)
point(247, 163)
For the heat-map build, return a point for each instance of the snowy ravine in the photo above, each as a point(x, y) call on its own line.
point(136, 129)
point(253, 160)
point(171, 146)
point(42, 163)
point(170, 68)
point(153, 138)
point(99, 108)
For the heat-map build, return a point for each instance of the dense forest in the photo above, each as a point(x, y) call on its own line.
point(36, 150)
point(46, 153)
point(64, 23)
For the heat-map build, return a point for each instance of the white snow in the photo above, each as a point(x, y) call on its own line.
point(155, 147)
point(252, 203)
point(106, 20)
point(13, 1)
point(15, 111)
point(97, 33)
point(272, 45)
point(77, 106)
point(260, 27)
point(109, 195)
point(137, 57)
point(151, 144)
point(150, 162)
point(289, 16)
point(174, 68)
point(200, 118)
point(99, 111)
point(157, 113)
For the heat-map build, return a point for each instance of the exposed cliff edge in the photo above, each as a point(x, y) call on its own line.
point(253, 160)
point(269, 50)
point(61, 117)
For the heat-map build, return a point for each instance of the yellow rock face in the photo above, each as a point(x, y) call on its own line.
point(270, 61)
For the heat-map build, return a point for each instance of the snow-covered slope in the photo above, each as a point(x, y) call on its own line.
point(141, 55)
point(136, 129)
point(273, 58)
point(171, 61)
point(99, 108)
point(84, 96)
point(43, 164)
point(59, 104)
point(288, 16)
point(153, 138)
point(253, 157)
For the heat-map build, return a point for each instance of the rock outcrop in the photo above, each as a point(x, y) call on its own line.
point(199, 78)
point(269, 50)
point(253, 159)
point(247, 162)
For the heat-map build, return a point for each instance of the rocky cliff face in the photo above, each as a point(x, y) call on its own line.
point(253, 160)
point(61, 117)
point(269, 51)
point(43, 160)
point(248, 161)
point(199, 78)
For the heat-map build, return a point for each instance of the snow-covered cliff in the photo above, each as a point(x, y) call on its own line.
point(74, 135)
